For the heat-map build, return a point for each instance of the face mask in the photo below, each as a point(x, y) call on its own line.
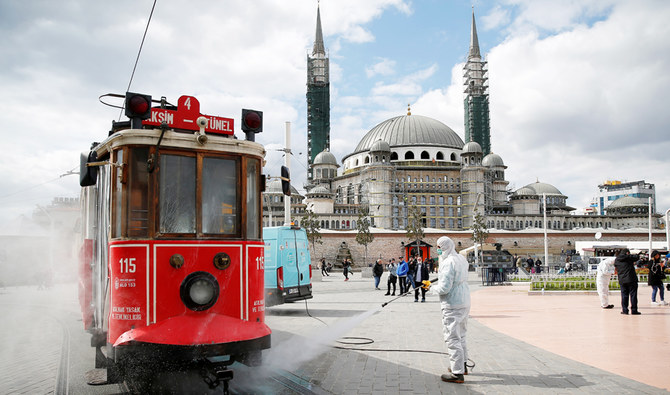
point(439, 251)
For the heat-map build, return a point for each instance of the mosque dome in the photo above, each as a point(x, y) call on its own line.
point(380, 146)
point(628, 201)
point(540, 188)
point(472, 147)
point(492, 160)
point(408, 130)
point(274, 186)
point(325, 157)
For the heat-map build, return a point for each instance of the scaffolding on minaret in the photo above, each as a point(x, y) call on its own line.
point(318, 99)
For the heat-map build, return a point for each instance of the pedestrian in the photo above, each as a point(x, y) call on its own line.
point(530, 263)
point(454, 292)
point(393, 277)
point(323, 267)
point(538, 266)
point(377, 271)
point(345, 269)
point(420, 276)
point(519, 263)
point(605, 271)
point(625, 267)
point(656, 277)
point(403, 268)
point(411, 272)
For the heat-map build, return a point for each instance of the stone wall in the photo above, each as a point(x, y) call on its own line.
point(390, 244)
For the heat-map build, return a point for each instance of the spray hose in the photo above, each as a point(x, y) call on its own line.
point(424, 284)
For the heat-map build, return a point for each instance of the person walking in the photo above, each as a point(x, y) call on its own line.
point(538, 266)
point(345, 269)
point(324, 272)
point(454, 292)
point(656, 277)
point(377, 271)
point(605, 271)
point(411, 273)
point(625, 267)
point(403, 268)
point(393, 277)
point(421, 275)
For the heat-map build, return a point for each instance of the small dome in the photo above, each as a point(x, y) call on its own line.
point(319, 190)
point(492, 160)
point(472, 147)
point(525, 191)
point(274, 186)
point(380, 146)
point(628, 201)
point(325, 157)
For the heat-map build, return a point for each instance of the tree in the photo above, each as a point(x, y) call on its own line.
point(414, 229)
point(479, 230)
point(312, 227)
point(363, 235)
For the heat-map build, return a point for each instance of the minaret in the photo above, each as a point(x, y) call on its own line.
point(477, 127)
point(318, 99)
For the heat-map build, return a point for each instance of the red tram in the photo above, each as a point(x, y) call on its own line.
point(171, 264)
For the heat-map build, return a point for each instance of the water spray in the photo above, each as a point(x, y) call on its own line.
point(425, 285)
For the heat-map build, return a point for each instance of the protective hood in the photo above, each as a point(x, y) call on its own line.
point(446, 245)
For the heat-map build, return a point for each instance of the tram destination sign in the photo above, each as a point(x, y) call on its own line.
point(186, 115)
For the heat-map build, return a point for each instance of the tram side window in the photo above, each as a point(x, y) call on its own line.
point(253, 199)
point(177, 194)
point(219, 196)
point(138, 200)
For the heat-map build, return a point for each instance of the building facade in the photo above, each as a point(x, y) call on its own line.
point(413, 160)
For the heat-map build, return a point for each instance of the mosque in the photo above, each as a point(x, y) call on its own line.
point(413, 160)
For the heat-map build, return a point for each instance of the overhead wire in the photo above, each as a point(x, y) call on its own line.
point(137, 59)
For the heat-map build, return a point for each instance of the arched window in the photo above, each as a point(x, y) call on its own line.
point(367, 159)
point(424, 155)
point(394, 156)
point(453, 156)
point(439, 156)
point(409, 155)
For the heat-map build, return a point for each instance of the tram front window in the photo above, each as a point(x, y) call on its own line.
point(177, 194)
point(219, 196)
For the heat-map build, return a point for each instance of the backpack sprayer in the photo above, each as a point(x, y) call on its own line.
point(424, 284)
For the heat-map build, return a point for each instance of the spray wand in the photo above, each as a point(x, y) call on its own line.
point(424, 284)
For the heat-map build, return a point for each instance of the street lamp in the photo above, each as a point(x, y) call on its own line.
point(474, 215)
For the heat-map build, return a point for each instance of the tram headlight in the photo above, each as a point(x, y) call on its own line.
point(199, 291)
point(221, 261)
point(176, 261)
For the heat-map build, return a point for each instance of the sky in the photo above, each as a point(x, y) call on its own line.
point(577, 88)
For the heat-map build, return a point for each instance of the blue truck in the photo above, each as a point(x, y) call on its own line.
point(288, 272)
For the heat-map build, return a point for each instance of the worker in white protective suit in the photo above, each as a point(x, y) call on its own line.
point(454, 292)
point(605, 271)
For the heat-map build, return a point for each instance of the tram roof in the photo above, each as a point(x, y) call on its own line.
point(179, 140)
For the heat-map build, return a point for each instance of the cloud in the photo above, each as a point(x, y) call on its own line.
point(382, 67)
point(576, 106)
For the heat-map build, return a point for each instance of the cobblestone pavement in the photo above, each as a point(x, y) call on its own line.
point(393, 363)
point(339, 342)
